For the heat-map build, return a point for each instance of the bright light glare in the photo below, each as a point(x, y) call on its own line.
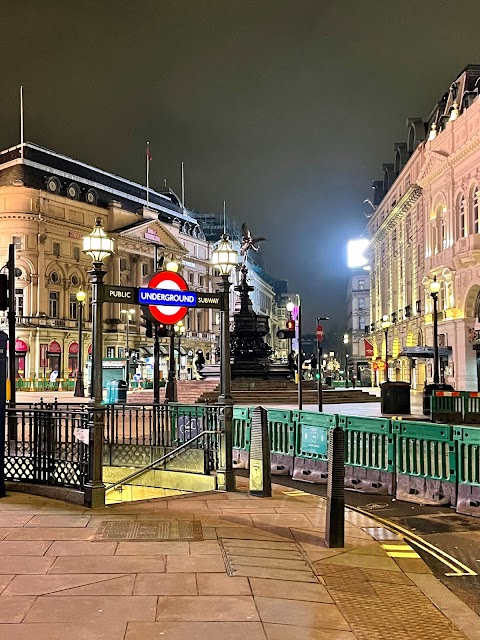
point(355, 253)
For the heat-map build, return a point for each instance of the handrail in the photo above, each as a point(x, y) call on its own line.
point(164, 458)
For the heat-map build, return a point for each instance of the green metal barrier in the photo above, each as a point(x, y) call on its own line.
point(186, 420)
point(369, 454)
point(311, 445)
point(447, 406)
point(468, 469)
point(471, 407)
point(242, 422)
point(281, 430)
point(426, 462)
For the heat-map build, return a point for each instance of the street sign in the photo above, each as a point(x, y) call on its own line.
point(319, 332)
point(172, 293)
point(209, 300)
point(114, 293)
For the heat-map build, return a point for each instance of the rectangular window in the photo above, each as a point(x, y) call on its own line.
point(121, 352)
point(201, 281)
point(190, 277)
point(53, 304)
point(361, 304)
point(361, 285)
point(73, 306)
point(76, 252)
point(361, 323)
point(17, 241)
point(123, 264)
point(110, 352)
point(144, 269)
point(56, 249)
point(19, 302)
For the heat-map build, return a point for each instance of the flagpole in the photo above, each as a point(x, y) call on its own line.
point(183, 188)
point(148, 173)
point(21, 121)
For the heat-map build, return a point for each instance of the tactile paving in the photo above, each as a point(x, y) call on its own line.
point(156, 530)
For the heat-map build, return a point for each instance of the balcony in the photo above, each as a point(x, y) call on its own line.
point(44, 321)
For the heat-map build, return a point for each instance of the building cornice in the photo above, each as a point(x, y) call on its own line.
point(397, 213)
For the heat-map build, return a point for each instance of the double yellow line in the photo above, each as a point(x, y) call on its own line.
point(457, 567)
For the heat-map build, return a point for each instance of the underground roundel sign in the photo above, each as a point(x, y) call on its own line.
point(167, 297)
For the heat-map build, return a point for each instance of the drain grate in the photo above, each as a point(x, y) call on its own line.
point(144, 531)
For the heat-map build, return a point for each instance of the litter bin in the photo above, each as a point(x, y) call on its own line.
point(122, 391)
point(395, 398)
point(428, 392)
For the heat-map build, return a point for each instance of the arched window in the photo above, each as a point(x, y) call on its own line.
point(474, 204)
point(462, 230)
point(477, 307)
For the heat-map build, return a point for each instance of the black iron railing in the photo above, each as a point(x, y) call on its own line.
point(47, 446)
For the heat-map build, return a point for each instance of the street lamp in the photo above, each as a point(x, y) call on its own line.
point(345, 342)
point(171, 388)
point(98, 246)
point(79, 386)
point(386, 326)
point(290, 308)
point(180, 330)
point(319, 374)
point(129, 314)
point(224, 258)
point(434, 289)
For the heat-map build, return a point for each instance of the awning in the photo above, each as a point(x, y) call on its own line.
point(425, 352)
point(147, 351)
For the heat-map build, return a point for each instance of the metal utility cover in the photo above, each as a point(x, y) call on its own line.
point(145, 531)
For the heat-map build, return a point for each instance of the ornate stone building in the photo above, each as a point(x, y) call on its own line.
point(48, 203)
point(427, 224)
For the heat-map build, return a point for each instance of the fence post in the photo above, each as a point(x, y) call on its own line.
point(259, 464)
point(335, 521)
point(3, 404)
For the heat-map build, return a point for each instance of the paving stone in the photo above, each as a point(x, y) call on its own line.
point(108, 564)
point(63, 631)
point(11, 519)
point(27, 548)
point(289, 590)
point(275, 563)
point(300, 613)
point(93, 609)
point(151, 548)
point(250, 534)
point(206, 608)
point(287, 632)
point(21, 565)
point(217, 584)
point(14, 608)
point(205, 547)
point(57, 521)
point(281, 554)
point(43, 585)
point(197, 630)
point(81, 548)
point(274, 574)
point(47, 533)
point(5, 531)
point(166, 584)
point(360, 560)
point(195, 564)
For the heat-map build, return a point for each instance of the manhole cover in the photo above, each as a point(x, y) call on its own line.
point(159, 530)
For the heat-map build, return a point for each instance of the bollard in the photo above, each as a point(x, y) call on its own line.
point(335, 521)
point(260, 474)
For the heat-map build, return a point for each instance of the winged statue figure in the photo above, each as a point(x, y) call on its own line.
point(248, 241)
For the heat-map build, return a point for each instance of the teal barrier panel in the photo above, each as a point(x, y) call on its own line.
point(426, 462)
point(467, 440)
point(447, 406)
point(281, 430)
point(369, 454)
point(471, 407)
point(311, 445)
point(242, 422)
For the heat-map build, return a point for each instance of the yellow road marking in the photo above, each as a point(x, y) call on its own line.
point(457, 567)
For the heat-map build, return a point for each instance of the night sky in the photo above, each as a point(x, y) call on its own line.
point(286, 109)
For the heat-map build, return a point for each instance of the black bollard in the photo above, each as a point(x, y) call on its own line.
point(260, 472)
point(335, 521)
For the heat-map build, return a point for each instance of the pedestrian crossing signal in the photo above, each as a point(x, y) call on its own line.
point(288, 333)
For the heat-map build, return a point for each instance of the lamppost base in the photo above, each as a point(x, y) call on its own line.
point(94, 495)
point(79, 391)
point(226, 480)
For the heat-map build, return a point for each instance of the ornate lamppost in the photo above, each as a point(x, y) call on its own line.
point(171, 387)
point(386, 326)
point(434, 289)
point(224, 258)
point(98, 246)
point(345, 342)
point(179, 329)
point(79, 391)
point(129, 314)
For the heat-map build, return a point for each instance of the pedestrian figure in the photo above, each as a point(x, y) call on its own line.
point(292, 361)
point(313, 365)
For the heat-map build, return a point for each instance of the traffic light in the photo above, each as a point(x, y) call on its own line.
point(148, 321)
point(288, 333)
point(165, 330)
